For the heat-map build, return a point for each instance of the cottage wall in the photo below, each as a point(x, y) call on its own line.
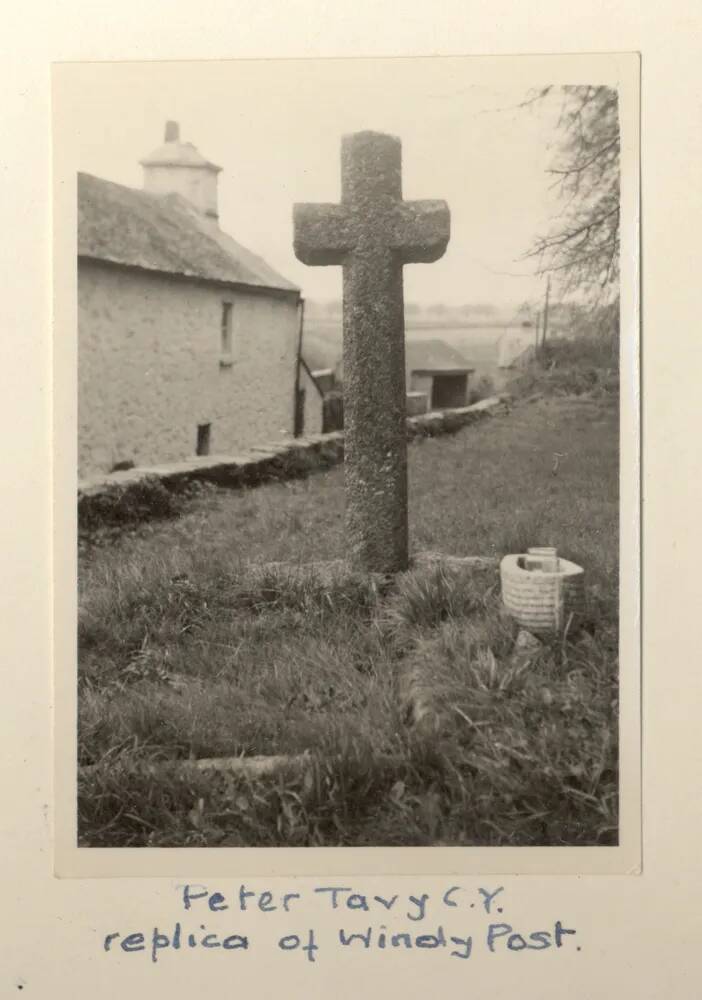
point(150, 368)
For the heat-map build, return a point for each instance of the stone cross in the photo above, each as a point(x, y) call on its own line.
point(371, 234)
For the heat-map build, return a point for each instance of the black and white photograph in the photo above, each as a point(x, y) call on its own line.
point(352, 459)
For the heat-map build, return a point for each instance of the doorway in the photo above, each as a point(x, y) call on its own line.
point(448, 391)
point(203, 439)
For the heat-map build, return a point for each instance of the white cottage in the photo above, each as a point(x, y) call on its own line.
point(188, 343)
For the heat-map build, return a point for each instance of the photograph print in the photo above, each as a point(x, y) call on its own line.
point(348, 454)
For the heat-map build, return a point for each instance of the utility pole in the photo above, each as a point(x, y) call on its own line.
point(548, 290)
point(537, 327)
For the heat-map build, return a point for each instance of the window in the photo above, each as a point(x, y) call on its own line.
point(203, 439)
point(226, 334)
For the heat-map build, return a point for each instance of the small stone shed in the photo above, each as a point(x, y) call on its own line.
point(439, 370)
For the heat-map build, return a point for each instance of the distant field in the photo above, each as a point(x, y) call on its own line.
point(188, 651)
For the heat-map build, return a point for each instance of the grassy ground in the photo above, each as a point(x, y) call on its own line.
point(188, 651)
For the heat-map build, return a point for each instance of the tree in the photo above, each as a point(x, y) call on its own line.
point(582, 247)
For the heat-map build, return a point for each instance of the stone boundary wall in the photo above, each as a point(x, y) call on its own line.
point(143, 493)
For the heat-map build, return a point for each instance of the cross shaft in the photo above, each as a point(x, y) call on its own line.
point(372, 233)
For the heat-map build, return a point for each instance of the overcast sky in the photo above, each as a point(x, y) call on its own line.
point(275, 130)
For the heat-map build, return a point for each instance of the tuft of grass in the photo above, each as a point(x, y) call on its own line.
point(425, 598)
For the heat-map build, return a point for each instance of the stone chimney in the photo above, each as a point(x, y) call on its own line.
point(178, 168)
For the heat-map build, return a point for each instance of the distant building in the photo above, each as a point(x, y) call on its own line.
point(187, 341)
point(440, 371)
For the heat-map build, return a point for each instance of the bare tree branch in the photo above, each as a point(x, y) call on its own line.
point(583, 243)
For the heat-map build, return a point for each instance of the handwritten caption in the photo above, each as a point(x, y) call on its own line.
point(427, 915)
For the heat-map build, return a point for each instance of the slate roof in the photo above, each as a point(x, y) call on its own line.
point(163, 233)
point(434, 357)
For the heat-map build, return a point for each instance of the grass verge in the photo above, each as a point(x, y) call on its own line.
point(189, 651)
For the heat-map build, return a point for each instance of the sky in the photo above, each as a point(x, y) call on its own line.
point(275, 129)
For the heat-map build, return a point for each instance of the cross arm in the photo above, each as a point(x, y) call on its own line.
point(422, 231)
point(323, 233)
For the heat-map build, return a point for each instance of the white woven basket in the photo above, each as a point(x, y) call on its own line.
point(542, 599)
